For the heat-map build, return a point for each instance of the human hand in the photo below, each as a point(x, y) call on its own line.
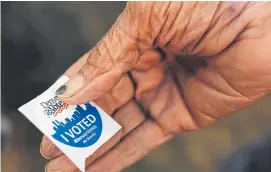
point(168, 67)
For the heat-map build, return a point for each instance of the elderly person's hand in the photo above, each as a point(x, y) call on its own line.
point(169, 67)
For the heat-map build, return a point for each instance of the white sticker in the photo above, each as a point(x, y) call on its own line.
point(77, 130)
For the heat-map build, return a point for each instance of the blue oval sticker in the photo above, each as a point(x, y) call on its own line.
point(82, 129)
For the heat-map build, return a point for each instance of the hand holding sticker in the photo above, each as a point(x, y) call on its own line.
point(77, 130)
point(189, 71)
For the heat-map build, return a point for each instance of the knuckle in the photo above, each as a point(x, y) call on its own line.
point(195, 19)
point(123, 91)
point(98, 62)
point(100, 57)
point(129, 116)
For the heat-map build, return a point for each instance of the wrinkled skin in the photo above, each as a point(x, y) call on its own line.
point(169, 67)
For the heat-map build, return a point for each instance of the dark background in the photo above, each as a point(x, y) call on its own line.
point(42, 39)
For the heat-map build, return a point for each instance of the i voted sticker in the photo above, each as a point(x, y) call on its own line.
point(80, 127)
point(77, 130)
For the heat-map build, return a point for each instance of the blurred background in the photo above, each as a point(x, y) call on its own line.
point(42, 39)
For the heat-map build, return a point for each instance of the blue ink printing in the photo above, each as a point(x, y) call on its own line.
point(82, 129)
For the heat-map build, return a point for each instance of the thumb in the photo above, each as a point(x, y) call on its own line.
point(113, 56)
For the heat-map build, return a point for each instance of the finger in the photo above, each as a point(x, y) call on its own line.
point(109, 103)
point(163, 100)
point(48, 150)
point(129, 117)
point(151, 77)
point(113, 56)
point(73, 70)
point(133, 147)
point(148, 59)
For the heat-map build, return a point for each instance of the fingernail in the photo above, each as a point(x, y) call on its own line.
point(71, 87)
point(42, 154)
point(61, 90)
